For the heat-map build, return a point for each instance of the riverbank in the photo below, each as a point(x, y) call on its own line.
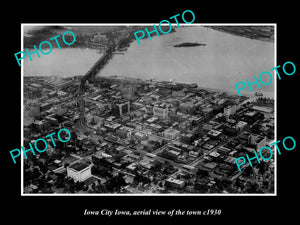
point(225, 60)
point(94, 37)
point(262, 33)
point(210, 89)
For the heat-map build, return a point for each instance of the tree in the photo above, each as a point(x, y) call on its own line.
point(44, 155)
point(187, 176)
point(202, 173)
point(118, 157)
point(265, 184)
point(78, 186)
point(73, 135)
point(251, 187)
point(59, 181)
point(115, 183)
point(201, 188)
point(262, 167)
point(157, 145)
point(155, 181)
point(248, 170)
point(140, 178)
point(237, 183)
point(43, 167)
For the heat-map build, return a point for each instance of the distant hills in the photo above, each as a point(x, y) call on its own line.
point(263, 33)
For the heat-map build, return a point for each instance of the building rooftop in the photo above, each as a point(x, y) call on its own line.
point(171, 131)
point(176, 181)
point(263, 109)
point(79, 166)
point(210, 165)
point(251, 114)
point(214, 133)
point(214, 154)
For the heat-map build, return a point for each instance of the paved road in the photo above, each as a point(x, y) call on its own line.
point(159, 158)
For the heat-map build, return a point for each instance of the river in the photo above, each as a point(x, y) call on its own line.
point(225, 60)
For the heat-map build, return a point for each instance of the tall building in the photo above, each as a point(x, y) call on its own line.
point(160, 111)
point(229, 110)
point(171, 133)
point(187, 107)
point(120, 108)
point(79, 171)
point(257, 140)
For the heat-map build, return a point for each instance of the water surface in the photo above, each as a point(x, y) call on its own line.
point(225, 60)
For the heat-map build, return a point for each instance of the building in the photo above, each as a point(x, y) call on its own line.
point(160, 111)
point(187, 107)
point(171, 133)
point(124, 132)
point(240, 125)
point(187, 138)
point(214, 154)
point(112, 126)
point(174, 153)
point(79, 171)
point(52, 94)
point(210, 166)
point(233, 153)
point(207, 111)
point(100, 38)
point(214, 133)
point(60, 111)
point(223, 150)
point(263, 109)
point(131, 167)
point(196, 119)
point(257, 140)
point(229, 110)
point(45, 106)
point(175, 182)
point(37, 86)
point(65, 83)
point(230, 160)
point(50, 119)
point(151, 120)
point(140, 136)
point(251, 117)
point(193, 154)
point(120, 108)
point(207, 126)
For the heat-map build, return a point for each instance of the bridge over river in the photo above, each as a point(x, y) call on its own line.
point(100, 63)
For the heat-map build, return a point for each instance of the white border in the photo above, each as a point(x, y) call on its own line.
point(147, 24)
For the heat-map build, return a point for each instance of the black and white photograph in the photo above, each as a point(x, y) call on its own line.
point(145, 113)
point(160, 115)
